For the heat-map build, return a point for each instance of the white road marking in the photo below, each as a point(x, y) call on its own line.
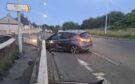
point(82, 62)
point(86, 65)
point(100, 76)
point(89, 68)
point(109, 60)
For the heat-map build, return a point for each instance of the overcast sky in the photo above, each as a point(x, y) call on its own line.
point(54, 12)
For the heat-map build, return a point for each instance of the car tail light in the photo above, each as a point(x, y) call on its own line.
point(84, 40)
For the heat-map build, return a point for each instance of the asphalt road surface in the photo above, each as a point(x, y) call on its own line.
point(110, 59)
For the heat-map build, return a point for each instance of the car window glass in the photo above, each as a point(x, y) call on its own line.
point(85, 35)
point(54, 37)
point(67, 35)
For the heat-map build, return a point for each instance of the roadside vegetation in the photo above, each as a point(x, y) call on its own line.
point(119, 25)
point(128, 33)
point(8, 58)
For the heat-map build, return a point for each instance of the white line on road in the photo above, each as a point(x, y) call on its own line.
point(86, 65)
point(109, 60)
point(99, 76)
point(89, 68)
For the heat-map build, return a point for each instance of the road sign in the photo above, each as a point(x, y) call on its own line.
point(18, 7)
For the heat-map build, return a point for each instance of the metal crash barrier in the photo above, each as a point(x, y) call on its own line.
point(7, 43)
point(43, 71)
point(6, 48)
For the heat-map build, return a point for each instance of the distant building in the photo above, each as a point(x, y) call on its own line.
point(8, 25)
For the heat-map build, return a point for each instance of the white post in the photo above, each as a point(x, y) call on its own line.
point(106, 18)
point(19, 31)
point(29, 29)
point(9, 26)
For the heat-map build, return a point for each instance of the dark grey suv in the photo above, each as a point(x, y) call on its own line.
point(70, 40)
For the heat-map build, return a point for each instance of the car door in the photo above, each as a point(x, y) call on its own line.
point(55, 42)
point(65, 40)
point(52, 41)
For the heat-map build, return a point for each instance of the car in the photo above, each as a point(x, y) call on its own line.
point(74, 41)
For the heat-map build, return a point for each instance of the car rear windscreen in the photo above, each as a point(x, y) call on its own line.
point(67, 35)
point(85, 35)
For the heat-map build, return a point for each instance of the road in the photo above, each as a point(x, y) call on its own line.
point(110, 59)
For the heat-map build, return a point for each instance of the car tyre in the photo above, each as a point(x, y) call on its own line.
point(74, 49)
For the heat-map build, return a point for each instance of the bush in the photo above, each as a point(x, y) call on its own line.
point(8, 60)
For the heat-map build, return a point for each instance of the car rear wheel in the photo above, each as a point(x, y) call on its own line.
point(74, 49)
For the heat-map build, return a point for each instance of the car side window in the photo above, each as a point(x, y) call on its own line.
point(66, 35)
point(54, 37)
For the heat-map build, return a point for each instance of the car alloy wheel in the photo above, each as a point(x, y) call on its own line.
point(74, 49)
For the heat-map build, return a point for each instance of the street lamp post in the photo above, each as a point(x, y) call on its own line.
point(106, 22)
point(106, 17)
point(19, 30)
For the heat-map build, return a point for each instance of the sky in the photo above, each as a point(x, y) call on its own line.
point(53, 12)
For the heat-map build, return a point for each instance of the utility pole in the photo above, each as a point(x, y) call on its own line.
point(106, 18)
point(106, 23)
point(19, 29)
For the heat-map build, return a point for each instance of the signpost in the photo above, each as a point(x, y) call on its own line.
point(18, 8)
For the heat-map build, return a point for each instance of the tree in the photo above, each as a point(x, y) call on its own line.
point(51, 27)
point(93, 23)
point(45, 26)
point(127, 22)
point(114, 17)
point(57, 27)
point(70, 25)
point(99, 22)
point(133, 10)
point(34, 24)
point(24, 20)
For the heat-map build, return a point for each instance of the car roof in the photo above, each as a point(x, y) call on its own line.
point(75, 31)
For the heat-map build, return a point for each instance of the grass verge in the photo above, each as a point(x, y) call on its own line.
point(128, 33)
point(8, 60)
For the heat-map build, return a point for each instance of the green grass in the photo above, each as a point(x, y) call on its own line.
point(128, 33)
point(8, 60)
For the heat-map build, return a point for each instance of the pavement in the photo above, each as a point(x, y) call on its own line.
point(20, 72)
point(110, 59)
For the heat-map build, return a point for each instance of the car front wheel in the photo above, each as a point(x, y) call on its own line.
point(74, 49)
